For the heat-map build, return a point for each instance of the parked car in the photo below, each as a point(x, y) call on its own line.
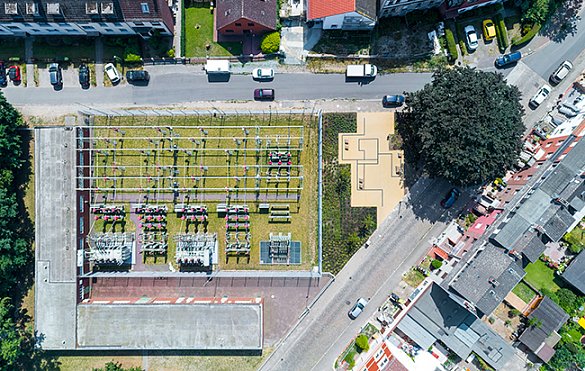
point(489, 30)
point(112, 73)
point(561, 72)
point(540, 96)
point(14, 73)
point(137, 75)
point(579, 99)
point(357, 309)
point(471, 37)
point(55, 74)
point(263, 74)
point(393, 100)
point(264, 94)
point(450, 198)
point(3, 80)
point(84, 75)
point(507, 59)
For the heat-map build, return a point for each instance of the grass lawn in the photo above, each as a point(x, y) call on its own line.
point(196, 38)
point(109, 51)
point(524, 292)
point(414, 278)
point(12, 49)
point(542, 277)
point(43, 51)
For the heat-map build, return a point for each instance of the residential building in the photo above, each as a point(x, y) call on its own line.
point(542, 336)
point(399, 8)
point(380, 358)
point(439, 316)
point(343, 14)
point(85, 18)
point(238, 17)
point(488, 278)
point(575, 273)
point(452, 8)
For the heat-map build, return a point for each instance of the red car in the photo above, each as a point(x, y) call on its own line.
point(14, 73)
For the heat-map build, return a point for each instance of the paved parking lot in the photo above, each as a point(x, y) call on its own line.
point(487, 51)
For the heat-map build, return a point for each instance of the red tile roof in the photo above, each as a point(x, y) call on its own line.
point(326, 8)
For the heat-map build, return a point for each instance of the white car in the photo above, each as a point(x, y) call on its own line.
point(263, 73)
point(540, 95)
point(112, 73)
point(357, 308)
point(471, 36)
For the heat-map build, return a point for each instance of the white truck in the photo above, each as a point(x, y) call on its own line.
point(217, 66)
point(361, 70)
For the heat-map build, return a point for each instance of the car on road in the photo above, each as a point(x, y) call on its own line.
point(540, 96)
point(357, 309)
point(393, 100)
point(263, 74)
point(137, 75)
point(450, 198)
point(14, 73)
point(507, 59)
point(3, 80)
point(84, 75)
point(471, 37)
point(561, 72)
point(55, 74)
point(489, 30)
point(112, 73)
point(264, 94)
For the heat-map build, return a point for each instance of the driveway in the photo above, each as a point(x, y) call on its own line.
point(487, 51)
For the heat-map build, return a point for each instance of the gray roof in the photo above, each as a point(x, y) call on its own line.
point(438, 314)
point(557, 179)
point(558, 224)
point(533, 248)
point(575, 273)
point(55, 236)
point(551, 316)
point(577, 199)
point(69, 10)
point(575, 159)
point(511, 232)
point(261, 12)
point(186, 326)
point(535, 206)
point(491, 264)
point(367, 8)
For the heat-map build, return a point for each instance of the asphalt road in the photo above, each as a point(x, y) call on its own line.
point(371, 273)
point(169, 88)
point(568, 46)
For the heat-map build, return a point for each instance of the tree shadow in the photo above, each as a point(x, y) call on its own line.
point(563, 22)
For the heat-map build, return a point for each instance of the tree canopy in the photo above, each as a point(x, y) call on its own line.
point(465, 125)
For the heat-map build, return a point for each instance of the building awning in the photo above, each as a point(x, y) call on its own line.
point(416, 332)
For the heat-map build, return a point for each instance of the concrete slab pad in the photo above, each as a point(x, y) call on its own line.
point(170, 326)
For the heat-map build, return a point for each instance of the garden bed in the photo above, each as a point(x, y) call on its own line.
point(55, 48)
point(345, 228)
point(12, 48)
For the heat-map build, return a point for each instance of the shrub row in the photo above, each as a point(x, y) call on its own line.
point(528, 36)
point(502, 33)
point(451, 46)
point(461, 37)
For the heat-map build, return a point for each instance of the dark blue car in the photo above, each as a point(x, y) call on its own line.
point(3, 74)
point(450, 199)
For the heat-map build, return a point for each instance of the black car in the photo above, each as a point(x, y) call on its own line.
point(450, 198)
point(393, 100)
point(137, 75)
point(84, 75)
point(55, 74)
point(3, 80)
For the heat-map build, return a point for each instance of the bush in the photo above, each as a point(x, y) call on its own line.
point(497, 7)
point(502, 32)
point(437, 264)
point(270, 43)
point(132, 58)
point(171, 53)
point(492, 320)
point(362, 343)
point(452, 47)
point(533, 31)
point(349, 359)
point(514, 312)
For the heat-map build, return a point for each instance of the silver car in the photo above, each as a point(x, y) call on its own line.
point(561, 72)
point(540, 95)
point(357, 308)
point(263, 74)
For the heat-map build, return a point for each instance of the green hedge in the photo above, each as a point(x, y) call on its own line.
point(528, 36)
point(502, 32)
point(453, 53)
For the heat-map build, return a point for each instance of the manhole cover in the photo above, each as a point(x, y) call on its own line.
point(348, 302)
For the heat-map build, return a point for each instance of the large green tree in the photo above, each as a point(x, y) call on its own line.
point(10, 337)
point(10, 143)
point(465, 125)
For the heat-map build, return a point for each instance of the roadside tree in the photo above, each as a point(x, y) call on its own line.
point(465, 126)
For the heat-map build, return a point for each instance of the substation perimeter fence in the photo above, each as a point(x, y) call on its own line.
point(215, 112)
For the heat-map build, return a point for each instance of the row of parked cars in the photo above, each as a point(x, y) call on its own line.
point(56, 74)
point(556, 77)
point(489, 33)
